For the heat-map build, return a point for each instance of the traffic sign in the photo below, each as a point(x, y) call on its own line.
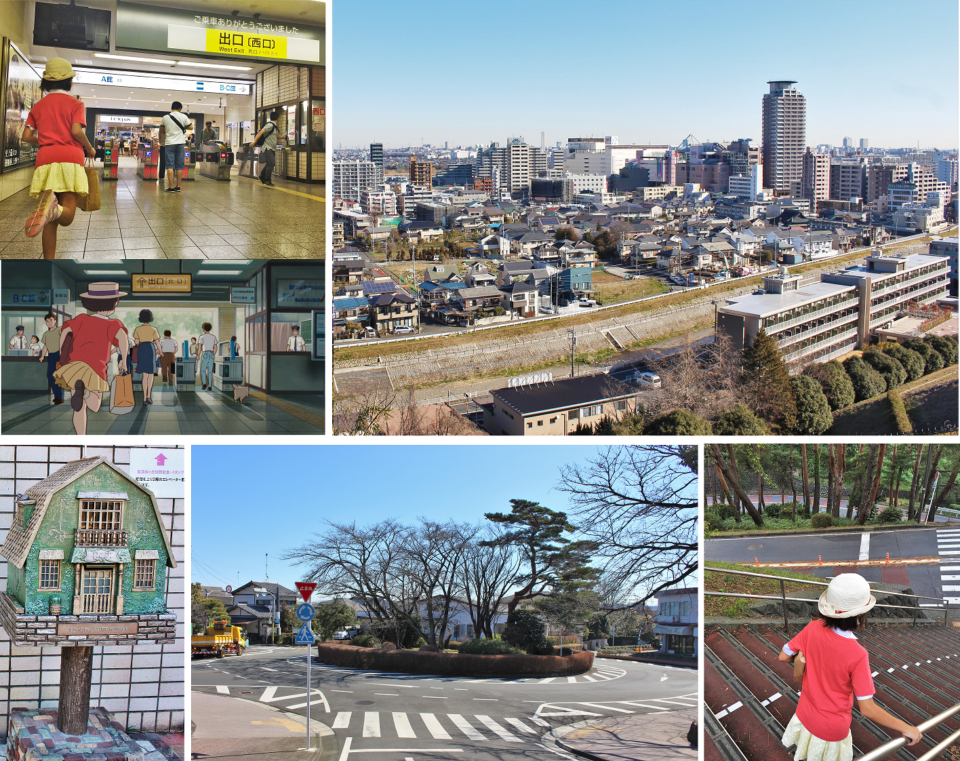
point(305, 636)
point(229, 590)
point(305, 611)
point(305, 588)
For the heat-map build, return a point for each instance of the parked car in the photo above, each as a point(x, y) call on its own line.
point(402, 329)
point(547, 310)
point(342, 634)
point(647, 380)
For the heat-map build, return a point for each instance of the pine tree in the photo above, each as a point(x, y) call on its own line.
point(768, 383)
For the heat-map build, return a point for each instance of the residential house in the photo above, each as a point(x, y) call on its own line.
point(482, 298)
point(390, 311)
point(676, 622)
point(441, 273)
point(523, 299)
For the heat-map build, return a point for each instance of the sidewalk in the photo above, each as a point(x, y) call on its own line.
point(649, 737)
point(228, 728)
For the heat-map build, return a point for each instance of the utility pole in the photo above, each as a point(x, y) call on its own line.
point(573, 350)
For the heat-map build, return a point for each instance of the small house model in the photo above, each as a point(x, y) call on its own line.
point(87, 561)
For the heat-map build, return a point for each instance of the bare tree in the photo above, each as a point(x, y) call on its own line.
point(639, 506)
point(703, 381)
point(487, 576)
point(363, 414)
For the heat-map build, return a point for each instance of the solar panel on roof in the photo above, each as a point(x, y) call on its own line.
point(378, 287)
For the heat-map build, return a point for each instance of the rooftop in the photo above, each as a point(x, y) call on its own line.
point(764, 304)
point(563, 394)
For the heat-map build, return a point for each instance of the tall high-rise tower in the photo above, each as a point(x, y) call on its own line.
point(376, 156)
point(784, 137)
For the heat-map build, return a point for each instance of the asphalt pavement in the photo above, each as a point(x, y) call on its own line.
point(403, 716)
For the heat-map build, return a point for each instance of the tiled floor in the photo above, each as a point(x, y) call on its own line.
point(239, 219)
point(175, 410)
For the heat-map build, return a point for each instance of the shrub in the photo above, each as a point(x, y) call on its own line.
point(945, 347)
point(890, 515)
point(892, 371)
point(366, 640)
point(932, 359)
point(524, 630)
point(912, 361)
point(713, 521)
point(678, 423)
point(867, 382)
point(545, 648)
point(488, 646)
point(904, 424)
point(774, 509)
point(725, 511)
point(739, 421)
point(821, 520)
point(813, 409)
point(569, 639)
point(835, 382)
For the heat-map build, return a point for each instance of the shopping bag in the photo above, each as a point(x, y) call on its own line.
point(91, 201)
point(65, 350)
point(799, 664)
point(121, 394)
point(134, 353)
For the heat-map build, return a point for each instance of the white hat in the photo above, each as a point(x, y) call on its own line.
point(847, 596)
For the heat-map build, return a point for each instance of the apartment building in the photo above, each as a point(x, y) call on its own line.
point(784, 136)
point(848, 179)
point(947, 248)
point(379, 203)
point(421, 172)
point(816, 177)
point(914, 187)
point(676, 621)
point(351, 178)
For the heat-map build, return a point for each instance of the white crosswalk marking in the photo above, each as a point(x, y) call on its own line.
point(949, 578)
point(343, 720)
point(547, 680)
point(464, 726)
point(268, 694)
point(588, 678)
point(608, 707)
point(402, 723)
point(498, 730)
point(521, 726)
point(572, 679)
point(434, 726)
point(540, 722)
point(223, 690)
point(371, 724)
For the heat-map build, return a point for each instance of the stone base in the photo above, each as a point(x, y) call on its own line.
point(33, 736)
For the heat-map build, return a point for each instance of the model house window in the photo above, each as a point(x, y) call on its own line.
point(145, 574)
point(101, 515)
point(50, 574)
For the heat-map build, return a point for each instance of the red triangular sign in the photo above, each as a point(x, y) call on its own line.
point(305, 588)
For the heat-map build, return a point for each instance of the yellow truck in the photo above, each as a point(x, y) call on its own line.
point(220, 639)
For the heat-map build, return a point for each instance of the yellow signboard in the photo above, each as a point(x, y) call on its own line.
point(246, 44)
point(162, 283)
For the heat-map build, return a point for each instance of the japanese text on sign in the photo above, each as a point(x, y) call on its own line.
point(257, 26)
point(239, 43)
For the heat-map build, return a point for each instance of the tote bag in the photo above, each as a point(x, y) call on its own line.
point(91, 201)
point(121, 394)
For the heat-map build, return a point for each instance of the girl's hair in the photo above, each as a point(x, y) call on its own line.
point(844, 624)
point(99, 305)
point(146, 315)
point(64, 84)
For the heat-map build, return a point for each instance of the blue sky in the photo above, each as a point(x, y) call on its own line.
point(247, 501)
point(648, 72)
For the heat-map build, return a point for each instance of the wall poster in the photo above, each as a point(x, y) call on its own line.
point(21, 91)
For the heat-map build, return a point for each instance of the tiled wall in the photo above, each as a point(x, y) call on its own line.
point(143, 685)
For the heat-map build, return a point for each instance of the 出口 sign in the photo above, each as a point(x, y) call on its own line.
point(176, 283)
point(160, 470)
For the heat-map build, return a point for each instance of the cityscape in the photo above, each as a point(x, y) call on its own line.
point(601, 286)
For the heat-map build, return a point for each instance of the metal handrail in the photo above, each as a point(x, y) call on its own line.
point(939, 748)
point(894, 745)
point(799, 581)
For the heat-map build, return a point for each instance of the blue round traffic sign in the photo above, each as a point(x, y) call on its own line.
point(305, 611)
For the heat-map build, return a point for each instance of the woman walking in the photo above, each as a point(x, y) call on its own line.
point(837, 670)
point(56, 125)
point(147, 339)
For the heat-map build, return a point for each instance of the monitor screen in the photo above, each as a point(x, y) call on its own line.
point(71, 26)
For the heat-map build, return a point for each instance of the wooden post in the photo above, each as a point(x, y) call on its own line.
point(76, 670)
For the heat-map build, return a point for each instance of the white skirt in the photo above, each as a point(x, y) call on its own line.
point(813, 748)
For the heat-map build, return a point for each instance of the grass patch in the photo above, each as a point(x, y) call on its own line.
point(612, 289)
point(734, 607)
point(746, 525)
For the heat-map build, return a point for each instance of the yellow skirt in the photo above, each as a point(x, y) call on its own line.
point(68, 375)
point(813, 748)
point(60, 178)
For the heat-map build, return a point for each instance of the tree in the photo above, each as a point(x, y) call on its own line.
point(525, 629)
point(567, 609)
point(565, 232)
point(678, 423)
point(815, 502)
point(606, 245)
point(331, 617)
point(867, 382)
point(932, 359)
point(945, 347)
point(912, 361)
point(768, 383)
point(915, 484)
point(639, 507)
point(204, 610)
point(835, 383)
point(288, 619)
point(871, 482)
point(955, 455)
point(805, 474)
point(739, 421)
point(838, 465)
point(813, 411)
point(487, 574)
point(733, 478)
point(893, 373)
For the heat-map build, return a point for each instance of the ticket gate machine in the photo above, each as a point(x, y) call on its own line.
point(148, 159)
point(189, 163)
point(111, 158)
point(250, 158)
point(215, 160)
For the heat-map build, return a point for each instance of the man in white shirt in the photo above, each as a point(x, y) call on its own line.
point(19, 341)
point(168, 358)
point(173, 137)
point(208, 347)
point(296, 342)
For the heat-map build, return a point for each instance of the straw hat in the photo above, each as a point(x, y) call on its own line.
point(57, 70)
point(103, 291)
point(847, 596)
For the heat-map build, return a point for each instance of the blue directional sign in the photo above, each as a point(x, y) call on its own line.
point(305, 611)
point(305, 636)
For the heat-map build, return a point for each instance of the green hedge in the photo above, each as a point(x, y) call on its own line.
point(822, 520)
point(488, 647)
point(899, 412)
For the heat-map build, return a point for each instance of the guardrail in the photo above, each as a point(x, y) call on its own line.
point(784, 599)
point(892, 746)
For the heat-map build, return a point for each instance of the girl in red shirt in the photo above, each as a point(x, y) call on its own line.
point(94, 335)
point(837, 671)
point(56, 124)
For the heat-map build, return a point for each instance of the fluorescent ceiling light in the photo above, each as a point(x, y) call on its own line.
point(219, 272)
point(213, 66)
point(134, 58)
point(105, 272)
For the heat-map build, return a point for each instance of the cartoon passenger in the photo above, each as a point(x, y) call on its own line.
point(147, 339)
point(51, 352)
point(34, 346)
point(208, 347)
point(85, 373)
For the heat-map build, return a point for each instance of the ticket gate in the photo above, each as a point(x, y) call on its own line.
point(148, 160)
point(189, 163)
point(249, 158)
point(215, 160)
point(111, 158)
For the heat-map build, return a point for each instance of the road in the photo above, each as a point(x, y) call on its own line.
point(840, 553)
point(399, 717)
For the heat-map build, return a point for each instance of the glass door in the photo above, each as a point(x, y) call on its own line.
point(98, 590)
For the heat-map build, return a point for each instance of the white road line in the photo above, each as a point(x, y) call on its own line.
point(268, 694)
point(540, 722)
point(371, 725)
point(664, 700)
point(434, 726)
point(588, 678)
point(346, 749)
point(350, 691)
point(464, 726)
point(266, 669)
point(388, 694)
point(865, 546)
point(402, 723)
point(950, 588)
point(521, 726)
point(608, 707)
point(572, 679)
point(642, 705)
point(343, 720)
point(949, 568)
point(498, 730)
point(223, 690)
point(435, 697)
point(950, 578)
point(547, 680)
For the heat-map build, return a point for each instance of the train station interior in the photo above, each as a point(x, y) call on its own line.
point(267, 366)
point(231, 67)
